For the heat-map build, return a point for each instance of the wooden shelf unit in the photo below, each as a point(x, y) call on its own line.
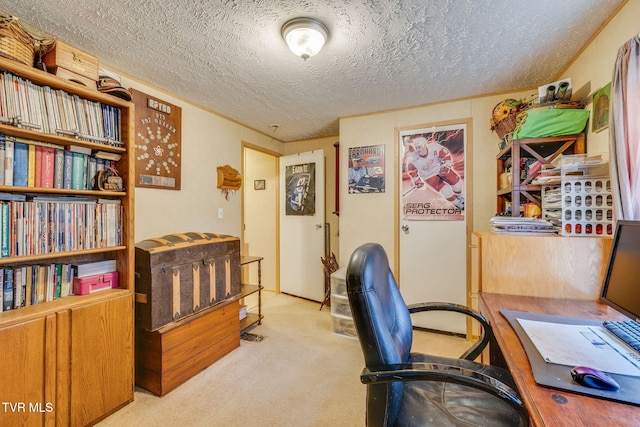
point(545, 150)
point(72, 357)
point(246, 290)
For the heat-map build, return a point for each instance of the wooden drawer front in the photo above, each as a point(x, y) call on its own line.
point(169, 356)
point(180, 277)
point(27, 396)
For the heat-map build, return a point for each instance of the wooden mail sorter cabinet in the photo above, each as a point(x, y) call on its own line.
point(67, 360)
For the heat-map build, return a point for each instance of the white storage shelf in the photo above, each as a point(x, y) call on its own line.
point(581, 207)
point(341, 319)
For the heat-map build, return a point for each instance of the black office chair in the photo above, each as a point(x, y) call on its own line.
point(413, 389)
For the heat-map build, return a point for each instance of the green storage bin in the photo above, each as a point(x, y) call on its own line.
point(550, 122)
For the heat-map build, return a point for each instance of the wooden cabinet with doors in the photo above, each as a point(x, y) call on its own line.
point(68, 360)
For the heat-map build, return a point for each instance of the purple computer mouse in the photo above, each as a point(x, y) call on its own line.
point(593, 378)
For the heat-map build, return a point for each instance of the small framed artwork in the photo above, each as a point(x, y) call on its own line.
point(600, 115)
point(259, 184)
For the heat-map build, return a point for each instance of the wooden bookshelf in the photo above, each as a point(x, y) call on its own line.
point(69, 361)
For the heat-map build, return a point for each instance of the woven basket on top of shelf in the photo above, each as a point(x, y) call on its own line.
point(504, 114)
point(20, 42)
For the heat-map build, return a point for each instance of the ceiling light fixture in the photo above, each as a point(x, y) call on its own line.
point(305, 36)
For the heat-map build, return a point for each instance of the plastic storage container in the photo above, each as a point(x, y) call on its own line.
point(340, 305)
point(341, 319)
point(587, 207)
point(342, 325)
point(339, 282)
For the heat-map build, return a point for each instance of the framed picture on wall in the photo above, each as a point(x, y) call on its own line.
point(600, 109)
point(433, 173)
point(366, 169)
point(259, 184)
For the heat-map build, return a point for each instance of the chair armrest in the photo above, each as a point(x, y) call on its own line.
point(439, 372)
point(486, 333)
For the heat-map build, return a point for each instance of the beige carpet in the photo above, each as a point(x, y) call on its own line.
point(301, 374)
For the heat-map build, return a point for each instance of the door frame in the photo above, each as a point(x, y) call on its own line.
point(276, 155)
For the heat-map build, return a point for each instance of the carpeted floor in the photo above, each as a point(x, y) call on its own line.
point(300, 374)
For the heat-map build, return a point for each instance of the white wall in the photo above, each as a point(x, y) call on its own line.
point(208, 141)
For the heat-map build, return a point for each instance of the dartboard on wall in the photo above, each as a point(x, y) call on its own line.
point(158, 142)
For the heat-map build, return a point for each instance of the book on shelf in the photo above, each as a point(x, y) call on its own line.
point(58, 169)
point(31, 174)
point(68, 170)
point(78, 171)
point(79, 149)
point(41, 280)
point(5, 229)
point(8, 162)
point(107, 155)
point(7, 289)
point(57, 112)
point(18, 288)
point(20, 164)
point(2, 153)
point(37, 167)
point(28, 280)
point(94, 268)
point(47, 167)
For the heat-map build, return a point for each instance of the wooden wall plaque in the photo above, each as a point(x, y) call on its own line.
point(158, 143)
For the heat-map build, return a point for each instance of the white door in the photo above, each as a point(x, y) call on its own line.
point(432, 222)
point(302, 224)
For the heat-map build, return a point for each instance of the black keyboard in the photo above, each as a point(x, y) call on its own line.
point(627, 330)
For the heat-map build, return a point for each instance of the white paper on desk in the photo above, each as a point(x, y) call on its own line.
point(581, 345)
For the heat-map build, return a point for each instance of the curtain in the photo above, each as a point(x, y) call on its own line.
point(624, 131)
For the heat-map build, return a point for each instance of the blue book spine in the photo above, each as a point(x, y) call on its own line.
point(20, 164)
point(7, 294)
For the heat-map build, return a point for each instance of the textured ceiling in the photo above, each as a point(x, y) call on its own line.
point(228, 56)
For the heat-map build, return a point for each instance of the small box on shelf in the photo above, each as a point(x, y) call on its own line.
point(91, 284)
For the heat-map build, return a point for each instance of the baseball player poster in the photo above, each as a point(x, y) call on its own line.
point(433, 167)
point(366, 169)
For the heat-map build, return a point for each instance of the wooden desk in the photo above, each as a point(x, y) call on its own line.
point(546, 406)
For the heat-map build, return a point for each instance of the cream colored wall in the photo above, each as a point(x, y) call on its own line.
point(260, 232)
point(208, 141)
point(594, 68)
point(371, 218)
point(325, 144)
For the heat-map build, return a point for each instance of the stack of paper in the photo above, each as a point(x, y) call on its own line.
point(508, 224)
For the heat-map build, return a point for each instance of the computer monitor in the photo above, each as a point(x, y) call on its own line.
point(621, 289)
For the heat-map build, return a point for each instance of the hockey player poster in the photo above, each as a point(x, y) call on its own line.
point(366, 169)
point(301, 189)
point(433, 167)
